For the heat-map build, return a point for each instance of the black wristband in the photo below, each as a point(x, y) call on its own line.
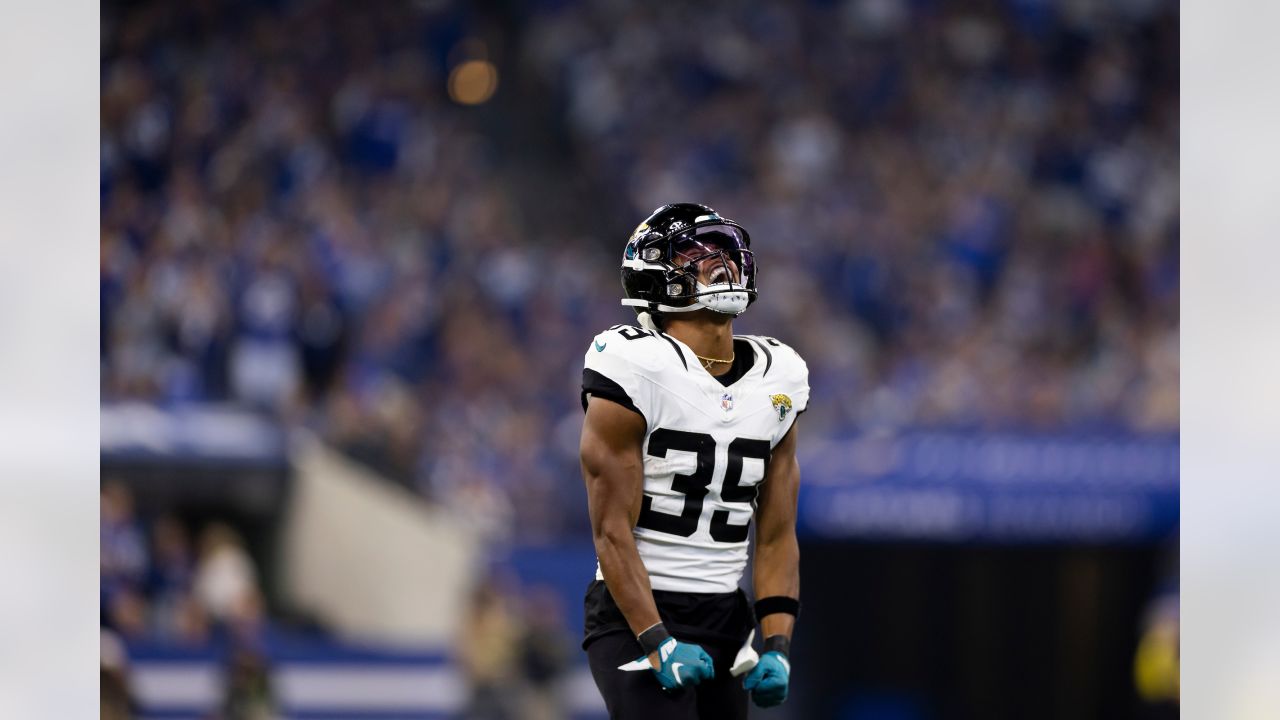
point(652, 638)
point(778, 643)
point(777, 604)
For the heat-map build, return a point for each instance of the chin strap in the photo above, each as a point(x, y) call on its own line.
point(636, 302)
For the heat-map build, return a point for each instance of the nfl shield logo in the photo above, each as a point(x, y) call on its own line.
point(726, 402)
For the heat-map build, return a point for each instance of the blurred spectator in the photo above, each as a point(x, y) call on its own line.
point(188, 622)
point(172, 564)
point(115, 699)
point(247, 624)
point(122, 546)
point(1157, 662)
point(128, 613)
point(225, 574)
point(546, 651)
point(170, 575)
point(487, 651)
point(248, 694)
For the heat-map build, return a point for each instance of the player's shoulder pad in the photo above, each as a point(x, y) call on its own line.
point(635, 348)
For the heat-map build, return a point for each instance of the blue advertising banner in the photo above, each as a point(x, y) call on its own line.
point(224, 434)
point(969, 486)
point(323, 678)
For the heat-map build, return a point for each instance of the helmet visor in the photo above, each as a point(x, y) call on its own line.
point(715, 254)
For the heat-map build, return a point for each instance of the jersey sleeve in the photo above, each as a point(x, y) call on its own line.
point(608, 372)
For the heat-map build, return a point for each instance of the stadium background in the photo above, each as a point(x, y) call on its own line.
point(351, 256)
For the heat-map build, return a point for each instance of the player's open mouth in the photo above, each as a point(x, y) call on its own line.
point(719, 275)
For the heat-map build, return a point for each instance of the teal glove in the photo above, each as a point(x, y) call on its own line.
point(767, 682)
point(682, 664)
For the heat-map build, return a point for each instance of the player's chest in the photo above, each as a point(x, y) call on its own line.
point(747, 408)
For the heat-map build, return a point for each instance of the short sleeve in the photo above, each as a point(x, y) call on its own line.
point(609, 374)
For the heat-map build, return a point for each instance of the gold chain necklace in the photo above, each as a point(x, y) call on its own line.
point(708, 362)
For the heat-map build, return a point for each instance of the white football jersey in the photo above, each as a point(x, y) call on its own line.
point(706, 446)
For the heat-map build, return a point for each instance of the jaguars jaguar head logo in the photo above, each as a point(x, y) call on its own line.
point(781, 404)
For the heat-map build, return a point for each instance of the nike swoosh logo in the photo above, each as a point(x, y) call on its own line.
point(667, 648)
point(599, 347)
point(675, 670)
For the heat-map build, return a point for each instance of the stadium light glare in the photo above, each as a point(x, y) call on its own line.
point(473, 82)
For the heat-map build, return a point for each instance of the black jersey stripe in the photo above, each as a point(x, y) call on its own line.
point(596, 384)
point(768, 356)
point(676, 347)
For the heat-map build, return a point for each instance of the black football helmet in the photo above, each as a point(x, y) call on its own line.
point(687, 257)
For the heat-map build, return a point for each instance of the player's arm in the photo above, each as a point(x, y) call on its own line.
point(613, 468)
point(777, 560)
point(777, 573)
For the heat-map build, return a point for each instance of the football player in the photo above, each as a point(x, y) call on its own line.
point(690, 433)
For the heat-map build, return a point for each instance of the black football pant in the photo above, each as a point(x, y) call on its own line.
point(636, 695)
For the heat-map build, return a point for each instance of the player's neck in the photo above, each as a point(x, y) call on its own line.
point(709, 335)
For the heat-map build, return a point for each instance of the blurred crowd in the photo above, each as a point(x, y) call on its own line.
point(164, 586)
point(158, 580)
point(514, 651)
point(965, 214)
point(158, 584)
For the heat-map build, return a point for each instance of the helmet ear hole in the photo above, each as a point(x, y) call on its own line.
point(642, 284)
